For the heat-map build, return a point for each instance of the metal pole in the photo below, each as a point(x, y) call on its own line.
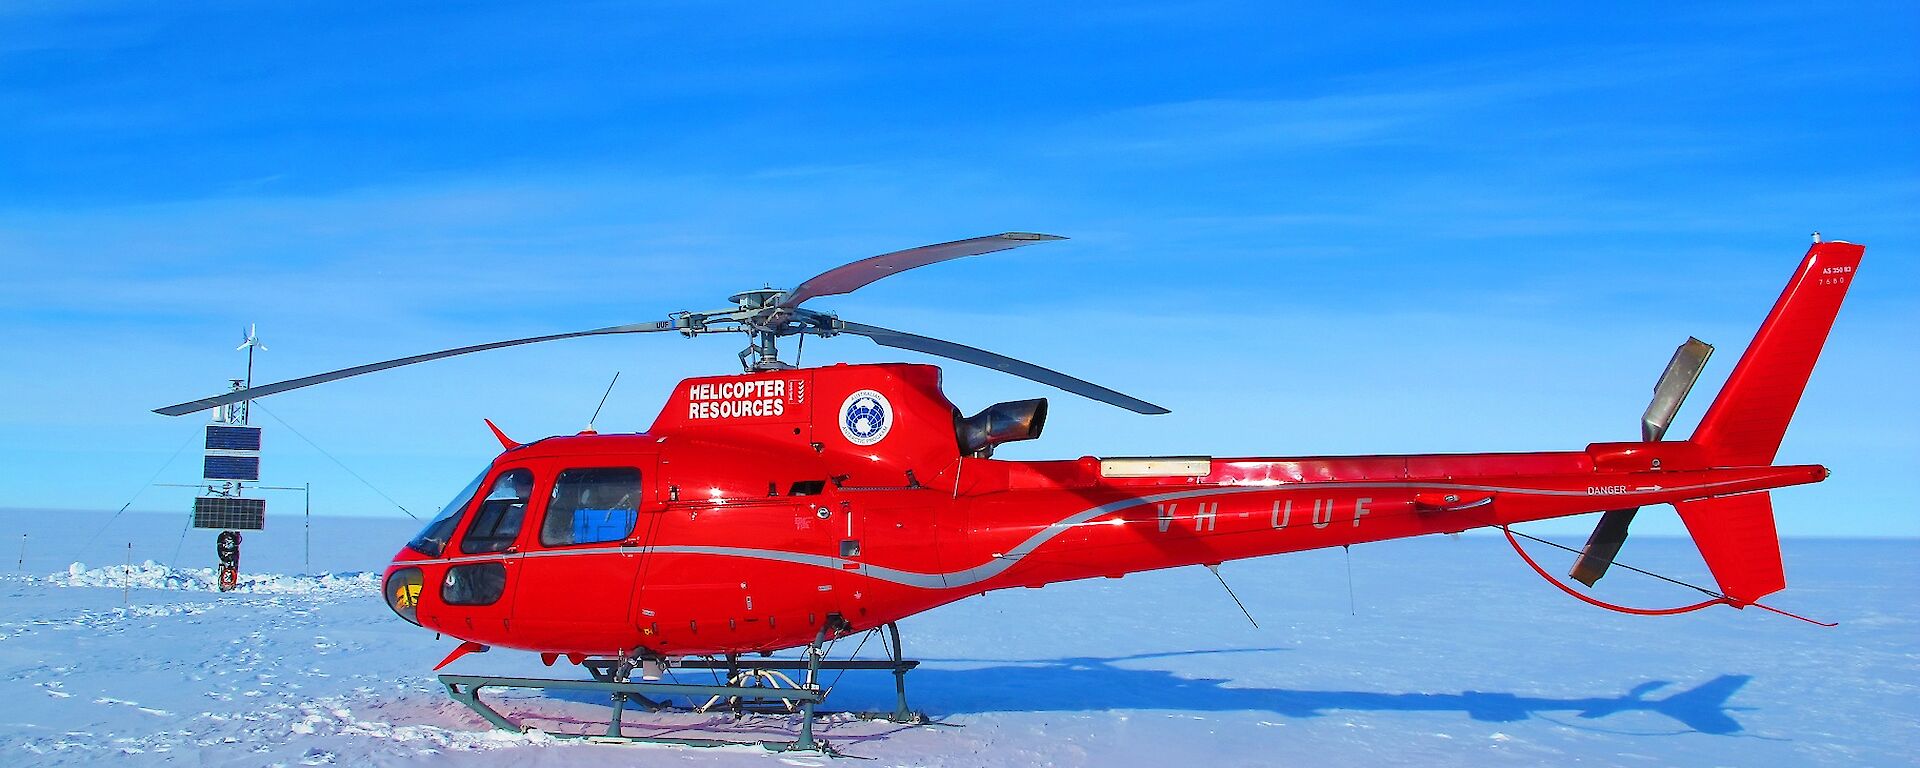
point(806, 742)
point(309, 552)
point(126, 590)
point(1352, 608)
point(900, 712)
point(23, 553)
point(619, 708)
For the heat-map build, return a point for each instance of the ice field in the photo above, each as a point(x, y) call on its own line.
point(1445, 651)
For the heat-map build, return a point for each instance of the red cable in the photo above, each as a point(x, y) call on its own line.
point(1646, 611)
point(1610, 606)
point(1814, 622)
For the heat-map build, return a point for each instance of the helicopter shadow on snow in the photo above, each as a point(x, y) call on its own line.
point(1086, 683)
point(1095, 683)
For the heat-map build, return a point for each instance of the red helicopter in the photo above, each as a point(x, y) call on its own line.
point(784, 507)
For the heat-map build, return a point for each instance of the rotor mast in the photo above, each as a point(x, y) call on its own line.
point(763, 321)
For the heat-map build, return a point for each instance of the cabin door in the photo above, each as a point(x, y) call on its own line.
point(477, 589)
point(580, 565)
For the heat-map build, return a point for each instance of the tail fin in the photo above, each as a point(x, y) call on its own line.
point(1744, 425)
point(1704, 708)
point(1746, 422)
point(1736, 537)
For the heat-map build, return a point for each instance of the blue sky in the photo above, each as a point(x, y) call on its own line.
point(1340, 228)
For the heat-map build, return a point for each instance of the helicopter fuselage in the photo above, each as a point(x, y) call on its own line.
point(761, 508)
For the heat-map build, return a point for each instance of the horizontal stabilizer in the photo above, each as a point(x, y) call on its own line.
point(1736, 537)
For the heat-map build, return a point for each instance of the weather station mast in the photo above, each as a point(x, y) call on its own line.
point(232, 460)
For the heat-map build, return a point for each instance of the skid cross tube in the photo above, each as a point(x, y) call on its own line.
point(784, 664)
point(607, 670)
point(466, 690)
point(610, 676)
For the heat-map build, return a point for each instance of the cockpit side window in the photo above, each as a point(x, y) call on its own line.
point(432, 539)
point(590, 506)
point(497, 522)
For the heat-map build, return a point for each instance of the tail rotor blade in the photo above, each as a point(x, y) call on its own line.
point(1668, 393)
point(1675, 382)
point(1602, 546)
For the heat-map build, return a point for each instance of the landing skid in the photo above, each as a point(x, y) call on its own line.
point(757, 686)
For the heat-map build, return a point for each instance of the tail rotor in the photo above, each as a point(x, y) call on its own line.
point(1668, 393)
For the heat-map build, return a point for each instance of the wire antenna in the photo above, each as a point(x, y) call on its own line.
point(1215, 569)
point(1352, 607)
point(603, 401)
point(341, 464)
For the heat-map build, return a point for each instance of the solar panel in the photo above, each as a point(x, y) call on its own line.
point(228, 513)
point(227, 438)
point(232, 468)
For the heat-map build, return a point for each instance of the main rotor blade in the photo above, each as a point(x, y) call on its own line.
point(322, 378)
point(1675, 382)
point(847, 278)
point(900, 340)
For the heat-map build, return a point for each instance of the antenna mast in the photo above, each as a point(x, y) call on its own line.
point(232, 461)
point(238, 413)
point(603, 401)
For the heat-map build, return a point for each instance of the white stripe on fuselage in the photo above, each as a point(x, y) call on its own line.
point(1001, 562)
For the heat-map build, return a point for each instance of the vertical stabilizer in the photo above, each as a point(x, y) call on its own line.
point(1746, 422)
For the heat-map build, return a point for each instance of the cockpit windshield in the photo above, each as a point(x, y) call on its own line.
point(434, 537)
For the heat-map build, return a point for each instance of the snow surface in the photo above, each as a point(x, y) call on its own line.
point(1448, 652)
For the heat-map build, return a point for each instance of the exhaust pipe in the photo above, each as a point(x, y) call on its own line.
point(1000, 423)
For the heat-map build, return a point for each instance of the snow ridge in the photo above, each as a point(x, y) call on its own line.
point(152, 575)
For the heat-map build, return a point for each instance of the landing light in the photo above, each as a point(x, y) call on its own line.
point(403, 593)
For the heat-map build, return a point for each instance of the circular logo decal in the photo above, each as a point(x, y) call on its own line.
point(866, 417)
